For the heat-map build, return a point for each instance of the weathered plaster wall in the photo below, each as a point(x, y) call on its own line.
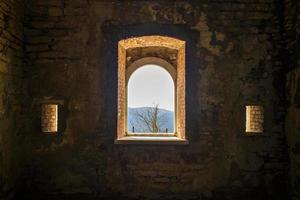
point(233, 59)
point(292, 63)
point(13, 94)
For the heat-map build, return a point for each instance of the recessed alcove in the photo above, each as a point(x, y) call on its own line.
point(254, 119)
point(49, 118)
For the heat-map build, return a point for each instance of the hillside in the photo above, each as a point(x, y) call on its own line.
point(166, 120)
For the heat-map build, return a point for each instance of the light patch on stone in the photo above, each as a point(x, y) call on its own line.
point(152, 41)
point(49, 118)
point(254, 119)
point(3, 67)
point(220, 36)
point(206, 35)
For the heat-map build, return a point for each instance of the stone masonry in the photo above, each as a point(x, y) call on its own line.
point(233, 59)
point(13, 95)
point(238, 53)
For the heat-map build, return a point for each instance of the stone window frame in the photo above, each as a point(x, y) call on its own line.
point(178, 76)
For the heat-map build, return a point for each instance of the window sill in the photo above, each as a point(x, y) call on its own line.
point(151, 140)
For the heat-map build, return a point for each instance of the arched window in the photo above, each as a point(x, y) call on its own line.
point(151, 90)
point(150, 101)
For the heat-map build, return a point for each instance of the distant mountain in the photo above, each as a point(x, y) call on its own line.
point(166, 119)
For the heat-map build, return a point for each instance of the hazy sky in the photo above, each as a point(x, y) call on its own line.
point(149, 85)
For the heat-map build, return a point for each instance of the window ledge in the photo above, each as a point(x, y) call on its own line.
point(151, 140)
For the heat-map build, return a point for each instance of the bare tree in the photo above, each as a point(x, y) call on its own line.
point(151, 119)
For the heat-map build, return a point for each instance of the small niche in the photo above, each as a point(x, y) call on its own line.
point(254, 119)
point(49, 118)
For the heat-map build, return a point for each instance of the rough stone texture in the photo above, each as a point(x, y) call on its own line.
point(13, 95)
point(233, 59)
point(292, 63)
point(166, 54)
point(238, 53)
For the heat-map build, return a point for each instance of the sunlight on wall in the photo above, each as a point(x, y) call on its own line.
point(49, 118)
point(254, 119)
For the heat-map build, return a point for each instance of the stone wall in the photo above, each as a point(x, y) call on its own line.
point(234, 59)
point(292, 63)
point(13, 94)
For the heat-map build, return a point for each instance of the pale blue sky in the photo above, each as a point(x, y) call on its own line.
point(149, 85)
